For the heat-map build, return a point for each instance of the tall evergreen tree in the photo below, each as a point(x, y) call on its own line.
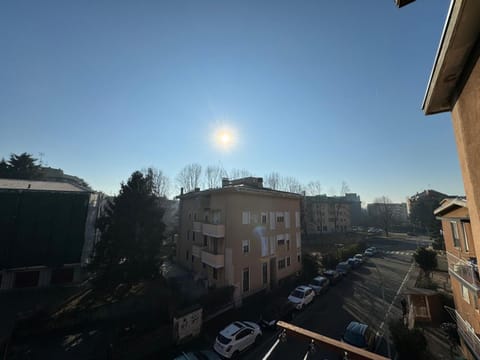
point(23, 166)
point(132, 233)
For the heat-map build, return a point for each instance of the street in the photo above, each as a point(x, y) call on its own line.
point(358, 297)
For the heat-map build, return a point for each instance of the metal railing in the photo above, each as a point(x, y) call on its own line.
point(464, 270)
point(466, 331)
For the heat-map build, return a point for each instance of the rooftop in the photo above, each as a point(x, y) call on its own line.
point(35, 185)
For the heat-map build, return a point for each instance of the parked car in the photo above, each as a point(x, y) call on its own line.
point(301, 296)
point(278, 310)
point(359, 335)
point(343, 268)
point(319, 284)
point(353, 262)
point(373, 249)
point(199, 355)
point(359, 257)
point(332, 275)
point(368, 253)
point(236, 337)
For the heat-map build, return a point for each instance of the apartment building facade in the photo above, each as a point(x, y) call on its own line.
point(327, 214)
point(454, 86)
point(463, 270)
point(241, 234)
point(397, 211)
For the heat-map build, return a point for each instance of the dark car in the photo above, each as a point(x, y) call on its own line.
point(281, 309)
point(199, 355)
point(359, 335)
point(333, 276)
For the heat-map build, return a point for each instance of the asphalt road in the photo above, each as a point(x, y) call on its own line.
point(358, 297)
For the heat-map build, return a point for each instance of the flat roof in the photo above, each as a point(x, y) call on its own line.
point(36, 185)
point(460, 34)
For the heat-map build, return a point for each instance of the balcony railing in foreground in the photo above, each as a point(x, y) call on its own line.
point(313, 339)
point(466, 270)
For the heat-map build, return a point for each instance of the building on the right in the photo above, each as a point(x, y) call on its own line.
point(463, 270)
point(454, 86)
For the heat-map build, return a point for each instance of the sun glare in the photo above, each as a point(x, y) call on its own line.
point(224, 138)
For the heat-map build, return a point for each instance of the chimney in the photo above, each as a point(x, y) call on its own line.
point(181, 191)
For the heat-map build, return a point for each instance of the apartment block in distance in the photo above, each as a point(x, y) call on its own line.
point(463, 270)
point(454, 86)
point(241, 234)
point(326, 214)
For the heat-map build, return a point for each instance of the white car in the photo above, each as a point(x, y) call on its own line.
point(236, 337)
point(301, 296)
point(359, 257)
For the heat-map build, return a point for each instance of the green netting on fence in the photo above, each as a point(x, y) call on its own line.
point(41, 228)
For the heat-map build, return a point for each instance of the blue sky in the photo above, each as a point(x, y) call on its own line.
point(318, 90)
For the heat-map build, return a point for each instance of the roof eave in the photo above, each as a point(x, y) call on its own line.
point(459, 36)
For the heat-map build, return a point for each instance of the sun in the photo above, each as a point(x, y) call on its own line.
point(224, 138)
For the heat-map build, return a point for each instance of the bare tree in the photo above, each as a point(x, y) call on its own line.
point(160, 182)
point(239, 173)
point(272, 180)
point(314, 188)
point(385, 212)
point(189, 177)
point(291, 184)
point(213, 176)
point(344, 189)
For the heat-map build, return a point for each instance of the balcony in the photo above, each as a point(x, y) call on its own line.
point(464, 270)
point(197, 226)
point(197, 250)
point(216, 261)
point(466, 331)
point(214, 230)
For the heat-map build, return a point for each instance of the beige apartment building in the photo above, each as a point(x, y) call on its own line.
point(241, 234)
point(463, 270)
point(455, 86)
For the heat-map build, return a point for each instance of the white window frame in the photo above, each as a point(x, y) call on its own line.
point(245, 246)
point(288, 262)
point(245, 217)
point(465, 294)
point(465, 237)
point(281, 238)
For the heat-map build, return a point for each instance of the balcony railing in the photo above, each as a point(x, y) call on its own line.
point(464, 270)
point(466, 331)
point(197, 226)
point(214, 260)
point(197, 250)
point(213, 230)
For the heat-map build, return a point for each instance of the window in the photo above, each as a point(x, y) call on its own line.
point(280, 218)
point(453, 225)
point(465, 294)
point(264, 218)
point(192, 258)
point(243, 333)
point(264, 273)
point(215, 273)
point(245, 246)
point(287, 240)
point(246, 280)
point(280, 240)
point(281, 264)
point(299, 258)
point(465, 237)
point(245, 217)
point(288, 260)
point(203, 265)
point(205, 240)
point(186, 255)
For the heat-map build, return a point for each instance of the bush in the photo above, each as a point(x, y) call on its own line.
point(310, 266)
point(217, 298)
point(410, 344)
